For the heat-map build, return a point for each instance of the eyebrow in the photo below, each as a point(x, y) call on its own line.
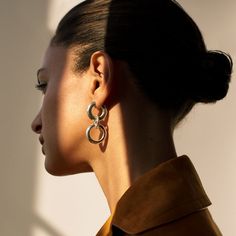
point(40, 71)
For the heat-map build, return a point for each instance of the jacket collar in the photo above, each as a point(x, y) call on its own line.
point(169, 191)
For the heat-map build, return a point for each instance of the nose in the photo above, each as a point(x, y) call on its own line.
point(36, 125)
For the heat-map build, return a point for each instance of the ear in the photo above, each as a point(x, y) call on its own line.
point(100, 73)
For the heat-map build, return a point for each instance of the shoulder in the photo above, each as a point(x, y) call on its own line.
point(167, 201)
point(199, 223)
point(195, 224)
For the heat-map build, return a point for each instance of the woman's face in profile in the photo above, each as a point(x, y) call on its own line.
point(62, 119)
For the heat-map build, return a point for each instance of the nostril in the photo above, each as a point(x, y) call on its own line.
point(38, 128)
point(36, 125)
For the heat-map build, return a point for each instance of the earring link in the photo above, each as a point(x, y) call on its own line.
point(96, 123)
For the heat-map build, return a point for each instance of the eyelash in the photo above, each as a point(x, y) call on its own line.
point(41, 87)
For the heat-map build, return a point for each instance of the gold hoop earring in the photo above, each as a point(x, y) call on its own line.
point(96, 123)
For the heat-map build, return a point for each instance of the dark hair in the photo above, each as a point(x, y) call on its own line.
point(159, 41)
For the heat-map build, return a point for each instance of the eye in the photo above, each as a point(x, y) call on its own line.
point(41, 86)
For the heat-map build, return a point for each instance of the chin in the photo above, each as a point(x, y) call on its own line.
point(63, 170)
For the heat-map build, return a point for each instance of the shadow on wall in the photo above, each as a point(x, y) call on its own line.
point(24, 37)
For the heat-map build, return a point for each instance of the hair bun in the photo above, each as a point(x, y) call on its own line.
point(215, 76)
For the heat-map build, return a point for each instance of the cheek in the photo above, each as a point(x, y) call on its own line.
point(50, 121)
point(65, 122)
point(71, 121)
point(71, 126)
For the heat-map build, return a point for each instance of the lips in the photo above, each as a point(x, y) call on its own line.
point(43, 150)
point(41, 140)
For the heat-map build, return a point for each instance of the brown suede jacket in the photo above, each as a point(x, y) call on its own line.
point(169, 200)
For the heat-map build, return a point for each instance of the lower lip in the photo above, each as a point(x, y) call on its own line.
point(43, 151)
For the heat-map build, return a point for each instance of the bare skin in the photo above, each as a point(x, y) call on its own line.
point(140, 136)
point(125, 161)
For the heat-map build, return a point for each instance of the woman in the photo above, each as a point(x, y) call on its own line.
point(117, 78)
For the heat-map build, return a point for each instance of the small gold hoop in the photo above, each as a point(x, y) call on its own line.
point(102, 130)
point(102, 114)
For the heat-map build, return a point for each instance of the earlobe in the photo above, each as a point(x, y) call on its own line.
point(101, 77)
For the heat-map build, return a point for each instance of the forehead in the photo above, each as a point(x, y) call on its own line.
point(57, 58)
point(54, 55)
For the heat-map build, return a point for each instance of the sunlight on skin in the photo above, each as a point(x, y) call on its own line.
point(52, 209)
point(53, 193)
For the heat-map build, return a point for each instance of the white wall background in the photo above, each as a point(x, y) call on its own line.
point(33, 203)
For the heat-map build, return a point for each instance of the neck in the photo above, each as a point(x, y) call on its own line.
point(136, 144)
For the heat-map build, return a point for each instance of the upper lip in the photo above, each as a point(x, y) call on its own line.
point(41, 139)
